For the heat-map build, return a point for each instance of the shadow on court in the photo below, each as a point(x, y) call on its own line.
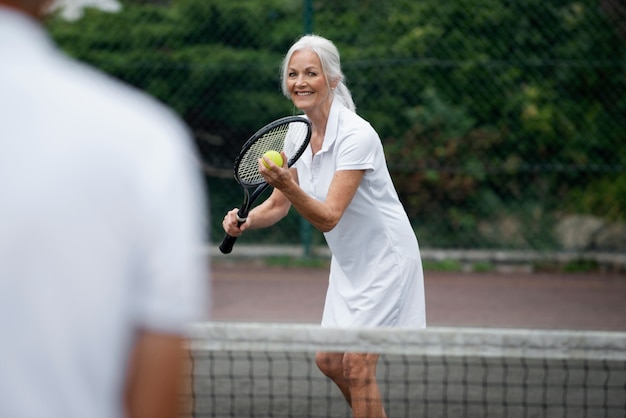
point(250, 292)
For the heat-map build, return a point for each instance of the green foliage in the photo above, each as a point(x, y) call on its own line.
point(581, 266)
point(605, 195)
point(441, 158)
point(489, 110)
point(300, 262)
point(445, 265)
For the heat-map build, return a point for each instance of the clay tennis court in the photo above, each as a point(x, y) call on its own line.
point(263, 383)
point(247, 291)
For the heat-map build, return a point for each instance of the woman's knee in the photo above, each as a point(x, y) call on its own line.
point(330, 364)
point(360, 367)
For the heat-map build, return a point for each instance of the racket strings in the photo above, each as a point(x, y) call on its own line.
point(296, 142)
point(289, 137)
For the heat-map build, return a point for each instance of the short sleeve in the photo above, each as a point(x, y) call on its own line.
point(357, 149)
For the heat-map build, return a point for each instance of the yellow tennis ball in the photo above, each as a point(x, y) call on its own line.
point(275, 157)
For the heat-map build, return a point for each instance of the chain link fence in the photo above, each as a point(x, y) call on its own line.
point(504, 122)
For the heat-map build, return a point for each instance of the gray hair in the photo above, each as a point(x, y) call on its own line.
point(331, 66)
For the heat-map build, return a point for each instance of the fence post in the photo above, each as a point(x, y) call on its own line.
point(305, 226)
point(308, 16)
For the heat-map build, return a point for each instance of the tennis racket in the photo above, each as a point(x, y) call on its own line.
point(290, 134)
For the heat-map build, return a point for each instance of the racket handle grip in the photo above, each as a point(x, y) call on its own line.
point(227, 244)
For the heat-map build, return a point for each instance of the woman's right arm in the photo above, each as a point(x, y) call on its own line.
point(266, 214)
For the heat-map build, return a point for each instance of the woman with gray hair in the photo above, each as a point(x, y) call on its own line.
point(342, 186)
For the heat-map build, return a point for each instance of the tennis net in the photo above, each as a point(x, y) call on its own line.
point(268, 370)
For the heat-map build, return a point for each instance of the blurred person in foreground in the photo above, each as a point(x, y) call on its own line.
point(342, 186)
point(101, 223)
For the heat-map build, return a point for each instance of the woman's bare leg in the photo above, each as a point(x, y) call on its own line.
point(331, 364)
point(355, 375)
point(360, 372)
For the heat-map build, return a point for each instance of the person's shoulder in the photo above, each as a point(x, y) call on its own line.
point(352, 120)
point(126, 124)
point(117, 100)
point(352, 124)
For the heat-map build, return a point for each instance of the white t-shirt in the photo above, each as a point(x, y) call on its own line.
point(376, 276)
point(101, 225)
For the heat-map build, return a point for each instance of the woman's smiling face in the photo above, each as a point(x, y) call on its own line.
point(306, 82)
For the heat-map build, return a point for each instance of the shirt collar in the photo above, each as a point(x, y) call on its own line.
point(332, 125)
point(332, 131)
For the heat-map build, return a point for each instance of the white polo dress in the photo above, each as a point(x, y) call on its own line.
point(376, 277)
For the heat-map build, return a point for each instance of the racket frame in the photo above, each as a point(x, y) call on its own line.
point(260, 185)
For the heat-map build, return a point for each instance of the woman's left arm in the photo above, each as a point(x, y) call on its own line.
point(322, 215)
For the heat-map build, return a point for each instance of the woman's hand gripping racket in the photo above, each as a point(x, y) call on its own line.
point(291, 135)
